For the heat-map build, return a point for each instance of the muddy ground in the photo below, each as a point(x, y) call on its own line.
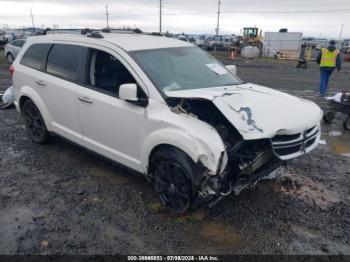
point(62, 199)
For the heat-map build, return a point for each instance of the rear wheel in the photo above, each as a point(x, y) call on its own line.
point(328, 117)
point(346, 123)
point(171, 169)
point(35, 123)
point(10, 58)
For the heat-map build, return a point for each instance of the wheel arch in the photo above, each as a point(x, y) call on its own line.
point(161, 147)
point(27, 94)
point(196, 149)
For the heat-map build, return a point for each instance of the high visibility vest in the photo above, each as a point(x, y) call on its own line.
point(329, 59)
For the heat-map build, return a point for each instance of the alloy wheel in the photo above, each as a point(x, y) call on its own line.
point(34, 122)
point(173, 187)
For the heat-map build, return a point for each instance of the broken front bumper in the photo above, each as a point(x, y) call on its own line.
point(215, 188)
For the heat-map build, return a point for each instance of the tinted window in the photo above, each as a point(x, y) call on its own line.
point(35, 56)
point(106, 73)
point(66, 61)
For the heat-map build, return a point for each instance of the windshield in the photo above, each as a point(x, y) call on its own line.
point(183, 68)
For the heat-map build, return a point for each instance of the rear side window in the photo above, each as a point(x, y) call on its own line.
point(66, 61)
point(35, 56)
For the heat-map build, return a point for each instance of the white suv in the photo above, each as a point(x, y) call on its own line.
point(163, 108)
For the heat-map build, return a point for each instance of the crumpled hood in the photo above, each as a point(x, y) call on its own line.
point(259, 112)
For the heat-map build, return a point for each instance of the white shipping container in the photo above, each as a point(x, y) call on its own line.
point(276, 41)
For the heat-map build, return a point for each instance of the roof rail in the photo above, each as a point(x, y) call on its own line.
point(96, 33)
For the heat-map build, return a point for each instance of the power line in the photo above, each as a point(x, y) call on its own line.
point(264, 12)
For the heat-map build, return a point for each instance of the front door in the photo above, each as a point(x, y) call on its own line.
point(110, 126)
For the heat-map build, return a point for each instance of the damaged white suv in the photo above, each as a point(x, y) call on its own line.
point(161, 107)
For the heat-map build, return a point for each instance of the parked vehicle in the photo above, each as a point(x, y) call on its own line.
point(12, 49)
point(198, 40)
point(164, 108)
point(186, 38)
point(220, 42)
point(3, 38)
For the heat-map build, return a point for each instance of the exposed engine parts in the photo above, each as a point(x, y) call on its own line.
point(248, 161)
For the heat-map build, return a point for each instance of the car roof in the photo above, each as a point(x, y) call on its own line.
point(126, 41)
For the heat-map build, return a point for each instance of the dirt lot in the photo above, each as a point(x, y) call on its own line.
point(62, 199)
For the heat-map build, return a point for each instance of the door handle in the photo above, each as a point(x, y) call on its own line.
point(40, 83)
point(86, 99)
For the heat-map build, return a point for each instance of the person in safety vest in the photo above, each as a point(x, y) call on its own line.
point(329, 58)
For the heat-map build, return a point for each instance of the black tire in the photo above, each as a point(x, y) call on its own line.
point(328, 117)
point(35, 123)
point(346, 123)
point(171, 170)
point(10, 58)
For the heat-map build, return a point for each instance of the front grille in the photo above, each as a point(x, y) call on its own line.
point(289, 146)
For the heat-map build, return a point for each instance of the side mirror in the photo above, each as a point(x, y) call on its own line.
point(232, 69)
point(128, 92)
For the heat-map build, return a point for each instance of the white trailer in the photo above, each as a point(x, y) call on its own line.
point(275, 42)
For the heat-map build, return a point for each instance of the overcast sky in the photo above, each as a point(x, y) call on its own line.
point(312, 17)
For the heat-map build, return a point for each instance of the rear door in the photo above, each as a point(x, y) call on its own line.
point(58, 88)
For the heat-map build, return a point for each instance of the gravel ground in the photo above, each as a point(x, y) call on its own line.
point(62, 199)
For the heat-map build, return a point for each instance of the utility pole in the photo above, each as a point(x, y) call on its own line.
point(160, 15)
point(107, 14)
point(341, 32)
point(340, 36)
point(31, 14)
point(218, 23)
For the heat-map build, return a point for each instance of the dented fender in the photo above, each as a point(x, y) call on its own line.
point(197, 139)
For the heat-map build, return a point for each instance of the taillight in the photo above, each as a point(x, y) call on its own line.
point(12, 70)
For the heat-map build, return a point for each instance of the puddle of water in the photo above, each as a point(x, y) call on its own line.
point(340, 148)
point(307, 189)
point(224, 234)
point(14, 222)
point(335, 133)
point(108, 176)
point(341, 145)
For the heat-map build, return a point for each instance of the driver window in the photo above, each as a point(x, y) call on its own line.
point(106, 73)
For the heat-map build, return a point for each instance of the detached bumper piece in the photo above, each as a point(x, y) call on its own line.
point(269, 170)
point(290, 146)
point(248, 163)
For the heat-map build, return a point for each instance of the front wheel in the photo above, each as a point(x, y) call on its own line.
point(171, 169)
point(35, 123)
